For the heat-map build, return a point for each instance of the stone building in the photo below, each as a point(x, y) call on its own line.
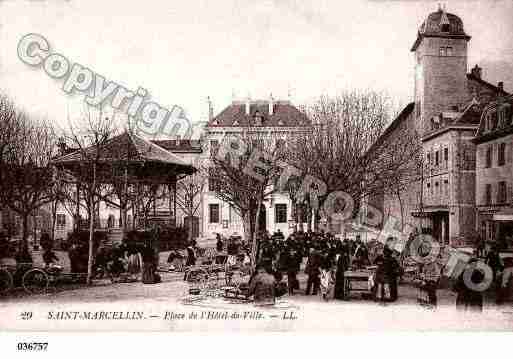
point(444, 115)
point(494, 171)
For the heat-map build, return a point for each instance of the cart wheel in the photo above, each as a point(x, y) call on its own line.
point(6, 281)
point(35, 281)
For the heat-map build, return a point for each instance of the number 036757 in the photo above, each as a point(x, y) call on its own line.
point(36, 347)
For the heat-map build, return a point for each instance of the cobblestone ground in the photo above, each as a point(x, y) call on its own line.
point(353, 314)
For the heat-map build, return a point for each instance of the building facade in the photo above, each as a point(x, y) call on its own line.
point(494, 172)
point(448, 101)
point(267, 119)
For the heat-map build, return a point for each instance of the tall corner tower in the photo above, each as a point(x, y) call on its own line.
point(440, 66)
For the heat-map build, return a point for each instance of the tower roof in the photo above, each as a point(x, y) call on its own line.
point(441, 24)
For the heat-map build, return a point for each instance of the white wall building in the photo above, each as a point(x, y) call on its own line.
point(276, 120)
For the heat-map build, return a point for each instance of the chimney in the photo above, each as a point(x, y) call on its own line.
point(476, 71)
point(500, 85)
point(247, 106)
point(271, 105)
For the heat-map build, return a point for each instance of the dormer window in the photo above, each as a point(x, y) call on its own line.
point(446, 27)
point(491, 121)
point(504, 115)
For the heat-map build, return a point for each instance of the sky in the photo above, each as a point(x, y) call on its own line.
point(182, 52)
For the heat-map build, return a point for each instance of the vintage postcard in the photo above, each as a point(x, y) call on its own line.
point(256, 166)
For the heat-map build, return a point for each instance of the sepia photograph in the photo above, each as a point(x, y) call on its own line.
point(243, 166)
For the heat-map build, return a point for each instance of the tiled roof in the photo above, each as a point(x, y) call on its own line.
point(484, 83)
point(393, 126)
point(126, 147)
point(502, 128)
point(284, 115)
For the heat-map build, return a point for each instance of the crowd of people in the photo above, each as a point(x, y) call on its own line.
point(326, 259)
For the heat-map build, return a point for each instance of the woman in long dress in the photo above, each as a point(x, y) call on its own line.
point(342, 266)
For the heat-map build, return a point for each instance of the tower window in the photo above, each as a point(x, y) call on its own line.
point(445, 51)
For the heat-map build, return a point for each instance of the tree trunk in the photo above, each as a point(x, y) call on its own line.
point(401, 207)
point(300, 217)
point(248, 235)
point(309, 219)
point(34, 226)
point(92, 211)
point(316, 220)
point(254, 236)
point(294, 216)
point(24, 229)
point(54, 220)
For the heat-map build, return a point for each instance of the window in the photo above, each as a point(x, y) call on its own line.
point(429, 158)
point(60, 221)
point(214, 146)
point(446, 155)
point(213, 181)
point(502, 192)
point(213, 213)
point(446, 187)
point(491, 121)
point(280, 213)
point(488, 194)
point(489, 156)
point(502, 154)
point(446, 27)
point(437, 158)
point(445, 51)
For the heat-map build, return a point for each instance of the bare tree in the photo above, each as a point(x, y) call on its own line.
point(188, 196)
point(88, 135)
point(243, 173)
point(27, 175)
point(339, 149)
